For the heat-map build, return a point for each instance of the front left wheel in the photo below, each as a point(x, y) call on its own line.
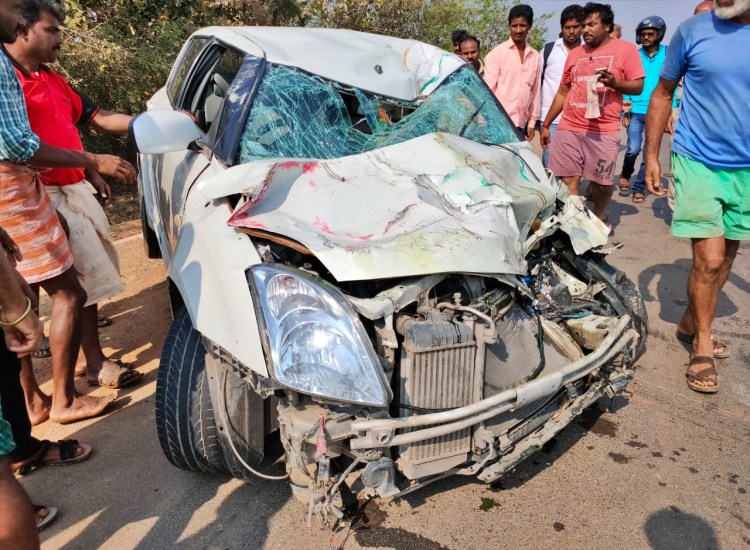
point(185, 420)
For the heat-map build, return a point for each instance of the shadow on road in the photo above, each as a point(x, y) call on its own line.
point(661, 210)
point(671, 290)
point(671, 528)
point(619, 208)
point(131, 497)
point(590, 420)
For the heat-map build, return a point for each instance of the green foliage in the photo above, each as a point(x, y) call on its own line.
point(119, 52)
point(430, 21)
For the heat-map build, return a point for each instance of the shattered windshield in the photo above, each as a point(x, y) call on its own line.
point(298, 115)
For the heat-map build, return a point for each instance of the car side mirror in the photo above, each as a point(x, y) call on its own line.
point(163, 131)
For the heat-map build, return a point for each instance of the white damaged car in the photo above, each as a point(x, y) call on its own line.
point(375, 284)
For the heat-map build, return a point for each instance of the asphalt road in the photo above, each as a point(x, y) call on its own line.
point(667, 469)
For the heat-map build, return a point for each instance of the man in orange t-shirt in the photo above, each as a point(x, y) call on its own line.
point(595, 77)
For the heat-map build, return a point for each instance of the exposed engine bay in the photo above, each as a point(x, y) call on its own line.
point(480, 372)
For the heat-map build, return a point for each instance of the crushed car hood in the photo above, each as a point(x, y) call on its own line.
point(435, 204)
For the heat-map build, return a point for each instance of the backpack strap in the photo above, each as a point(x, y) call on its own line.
point(547, 51)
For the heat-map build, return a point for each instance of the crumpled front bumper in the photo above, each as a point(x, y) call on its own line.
point(375, 433)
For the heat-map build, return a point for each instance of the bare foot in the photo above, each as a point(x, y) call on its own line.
point(83, 407)
point(39, 408)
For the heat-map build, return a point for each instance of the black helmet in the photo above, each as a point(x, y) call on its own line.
point(653, 22)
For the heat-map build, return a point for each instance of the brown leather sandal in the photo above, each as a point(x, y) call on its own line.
point(721, 349)
point(706, 375)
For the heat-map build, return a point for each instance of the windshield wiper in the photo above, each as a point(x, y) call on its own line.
point(471, 119)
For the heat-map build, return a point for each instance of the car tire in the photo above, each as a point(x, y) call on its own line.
point(150, 242)
point(621, 292)
point(185, 421)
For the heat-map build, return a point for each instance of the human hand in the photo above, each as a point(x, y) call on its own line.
point(110, 165)
point(607, 78)
point(10, 247)
point(625, 120)
point(530, 133)
point(101, 186)
point(653, 177)
point(25, 337)
point(544, 137)
point(673, 118)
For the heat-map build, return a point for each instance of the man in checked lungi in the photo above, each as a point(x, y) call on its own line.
point(29, 216)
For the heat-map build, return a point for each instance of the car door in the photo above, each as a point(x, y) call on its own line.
point(197, 86)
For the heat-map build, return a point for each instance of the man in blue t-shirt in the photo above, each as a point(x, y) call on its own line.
point(711, 161)
point(649, 33)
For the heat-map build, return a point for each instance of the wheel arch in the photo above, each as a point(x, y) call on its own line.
point(207, 275)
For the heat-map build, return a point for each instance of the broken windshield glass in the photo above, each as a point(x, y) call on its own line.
point(298, 115)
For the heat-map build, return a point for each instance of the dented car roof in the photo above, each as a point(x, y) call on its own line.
point(395, 67)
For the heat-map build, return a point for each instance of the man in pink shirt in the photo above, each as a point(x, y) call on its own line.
point(595, 77)
point(513, 72)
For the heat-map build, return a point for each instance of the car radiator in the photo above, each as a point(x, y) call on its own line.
point(514, 358)
point(437, 370)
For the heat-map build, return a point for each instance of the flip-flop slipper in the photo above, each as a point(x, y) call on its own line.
point(82, 373)
point(43, 352)
point(705, 375)
point(115, 379)
point(46, 520)
point(67, 456)
point(103, 321)
point(718, 345)
point(639, 198)
point(624, 189)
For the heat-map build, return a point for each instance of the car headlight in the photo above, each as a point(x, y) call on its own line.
point(317, 344)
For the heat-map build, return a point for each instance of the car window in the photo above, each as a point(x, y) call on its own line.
point(183, 67)
point(299, 115)
point(209, 83)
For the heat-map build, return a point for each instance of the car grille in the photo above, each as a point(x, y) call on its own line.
point(443, 378)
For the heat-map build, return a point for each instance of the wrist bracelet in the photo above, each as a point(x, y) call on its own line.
point(545, 125)
point(21, 318)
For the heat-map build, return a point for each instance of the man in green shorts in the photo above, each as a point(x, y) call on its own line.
point(711, 164)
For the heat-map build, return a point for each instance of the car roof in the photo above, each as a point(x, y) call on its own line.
point(395, 67)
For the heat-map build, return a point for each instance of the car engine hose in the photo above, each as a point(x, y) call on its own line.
point(231, 443)
point(540, 346)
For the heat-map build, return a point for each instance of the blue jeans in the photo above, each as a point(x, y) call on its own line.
point(545, 153)
point(638, 185)
point(635, 143)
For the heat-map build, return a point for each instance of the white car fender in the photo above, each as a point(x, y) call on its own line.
point(208, 268)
